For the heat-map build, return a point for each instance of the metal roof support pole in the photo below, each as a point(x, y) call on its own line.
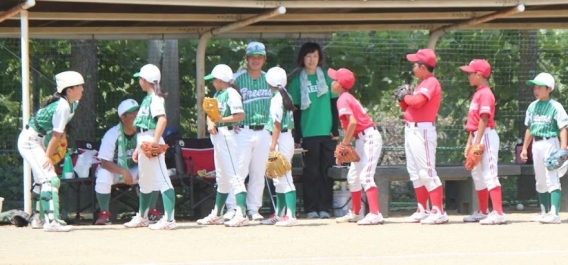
point(200, 61)
point(15, 10)
point(439, 32)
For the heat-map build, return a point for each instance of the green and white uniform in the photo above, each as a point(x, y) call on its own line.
point(32, 144)
point(253, 141)
point(544, 120)
point(153, 173)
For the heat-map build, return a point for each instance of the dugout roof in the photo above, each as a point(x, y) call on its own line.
point(190, 18)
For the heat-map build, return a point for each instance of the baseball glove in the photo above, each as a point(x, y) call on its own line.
point(151, 150)
point(556, 160)
point(346, 154)
point(60, 151)
point(401, 91)
point(474, 156)
point(211, 108)
point(277, 165)
point(20, 218)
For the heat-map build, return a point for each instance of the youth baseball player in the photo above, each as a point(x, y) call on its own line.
point(117, 146)
point(153, 175)
point(546, 119)
point(368, 144)
point(37, 143)
point(420, 138)
point(225, 147)
point(280, 125)
point(481, 128)
point(253, 139)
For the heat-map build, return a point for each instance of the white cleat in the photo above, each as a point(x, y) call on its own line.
point(287, 222)
point(372, 219)
point(349, 217)
point(550, 218)
point(211, 219)
point(271, 220)
point(475, 217)
point(416, 217)
point(237, 221)
point(537, 218)
point(435, 218)
point(56, 227)
point(229, 214)
point(494, 218)
point(137, 221)
point(36, 223)
point(163, 224)
point(255, 216)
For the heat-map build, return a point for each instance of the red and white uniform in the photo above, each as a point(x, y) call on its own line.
point(420, 137)
point(485, 173)
point(368, 143)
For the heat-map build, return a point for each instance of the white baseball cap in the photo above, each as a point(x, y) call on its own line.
point(127, 106)
point(68, 79)
point(276, 76)
point(222, 72)
point(542, 79)
point(149, 73)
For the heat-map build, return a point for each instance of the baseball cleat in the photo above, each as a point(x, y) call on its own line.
point(255, 216)
point(211, 219)
point(54, 226)
point(154, 216)
point(324, 215)
point(372, 219)
point(287, 222)
point(475, 217)
point(36, 223)
point(237, 221)
point(537, 218)
point(312, 215)
point(229, 214)
point(494, 218)
point(435, 219)
point(103, 218)
point(349, 217)
point(137, 221)
point(163, 224)
point(550, 218)
point(273, 219)
point(416, 217)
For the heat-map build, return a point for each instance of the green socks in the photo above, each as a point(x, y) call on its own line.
point(555, 201)
point(36, 206)
point(291, 203)
point(220, 200)
point(103, 200)
point(169, 198)
point(544, 200)
point(145, 199)
point(153, 199)
point(280, 203)
point(241, 199)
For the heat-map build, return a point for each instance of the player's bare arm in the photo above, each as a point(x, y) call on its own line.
point(563, 138)
point(350, 130)
point(276, 129)
point(528, 140)
point(235, 117)
point(211, 127)
point(467, 146)
point(51, 148)
point(160, 127)
point(481, 128)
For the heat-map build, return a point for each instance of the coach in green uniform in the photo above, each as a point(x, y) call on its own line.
point(315, 128)
point(253, 140)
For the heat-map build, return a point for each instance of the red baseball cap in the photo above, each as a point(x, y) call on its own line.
point(342, 75)
point(427, 56)
point(478, 66)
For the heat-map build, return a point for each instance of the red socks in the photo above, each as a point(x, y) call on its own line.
point(496, 199)
point(373, 199)
point(421, 196)
point(356, 202)
point(436, 196)
point(483, 199)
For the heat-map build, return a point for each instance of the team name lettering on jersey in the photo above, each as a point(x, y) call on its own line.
point(254, 95)
point(541, 119)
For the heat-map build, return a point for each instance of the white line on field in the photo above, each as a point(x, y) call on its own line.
point(376, 258)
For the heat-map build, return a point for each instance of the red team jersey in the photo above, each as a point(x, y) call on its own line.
point(482, 102)
point(431, 89)
point(347, 104)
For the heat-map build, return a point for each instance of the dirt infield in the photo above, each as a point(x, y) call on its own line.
point(311, 242)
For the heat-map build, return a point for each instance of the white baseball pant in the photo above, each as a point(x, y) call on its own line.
point(32, 150)
point(226, 167)
point(362, 174)
point(485, 174)
point(254, 147)
point(420, 141)
point(546, 181)
point(285, 146)
point(153, 173)
point(105, 179)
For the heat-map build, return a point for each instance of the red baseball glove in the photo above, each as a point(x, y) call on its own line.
point(153, 150)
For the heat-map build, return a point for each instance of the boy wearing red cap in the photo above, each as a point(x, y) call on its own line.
point(368, 144)
point(420, 138)
point(481, 128)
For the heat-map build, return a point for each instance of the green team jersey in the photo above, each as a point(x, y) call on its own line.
point(279, 114)
point(317, 119)
point(152, 106)
point(256, 98)
point(229, 102)
point(545, 118)
point(53, 117)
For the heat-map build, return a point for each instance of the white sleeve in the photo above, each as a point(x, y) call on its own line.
point(61, 116)
point(276, 111)
point(157, 106)
point(108, 144)
point(561, 117)
point(235, 102)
